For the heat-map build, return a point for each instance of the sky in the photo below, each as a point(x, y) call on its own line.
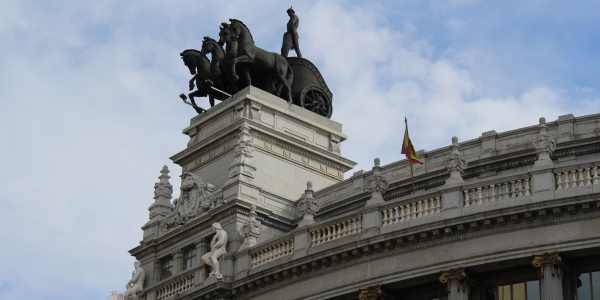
point(89, 111)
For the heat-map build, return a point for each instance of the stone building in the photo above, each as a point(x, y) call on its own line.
point(510, 215)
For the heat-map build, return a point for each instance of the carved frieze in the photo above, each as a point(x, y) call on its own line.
point(244, 151)
point(251, 229)
point(195, 199)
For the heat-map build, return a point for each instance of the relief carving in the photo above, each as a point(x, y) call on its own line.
point(195, 199)
point(544, 145)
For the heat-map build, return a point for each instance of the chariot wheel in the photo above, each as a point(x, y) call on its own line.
point(316, 100)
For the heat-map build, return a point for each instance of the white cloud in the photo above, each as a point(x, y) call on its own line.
point(90, 114)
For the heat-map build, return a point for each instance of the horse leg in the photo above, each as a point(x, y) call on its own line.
point(196, 107)
point(244, 68)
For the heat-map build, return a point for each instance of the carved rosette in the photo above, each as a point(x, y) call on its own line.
point(457, 277)
point(544, 145)
point(252, 227)
point(375, 292)
point(550, 260)
point(244, 151)
point(196, 198)
point(307, 204)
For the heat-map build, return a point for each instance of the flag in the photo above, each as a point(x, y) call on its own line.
point(408, 149)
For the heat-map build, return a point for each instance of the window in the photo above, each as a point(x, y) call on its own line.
point(529, 290)
point(584, 279)
point(166, 268)
point(517, 283)
point(189, 258)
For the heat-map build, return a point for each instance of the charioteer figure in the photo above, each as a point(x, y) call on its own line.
point(290, 38)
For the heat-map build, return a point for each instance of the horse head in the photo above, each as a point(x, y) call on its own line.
point(209, 45)
point(225, 35)
point(194, 60)
point(241, 31)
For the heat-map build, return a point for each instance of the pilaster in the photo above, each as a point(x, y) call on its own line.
point(177, 261)
point(550, 268)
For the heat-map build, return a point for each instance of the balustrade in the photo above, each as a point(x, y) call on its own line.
point(576, 178)
point(412, 210)
point(497, 191)
point(336, 231)
point(272, 253)
point(176, 286)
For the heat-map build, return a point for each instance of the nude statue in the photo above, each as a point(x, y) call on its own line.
point(136, 284)
point(217, 249)
point(290, 38)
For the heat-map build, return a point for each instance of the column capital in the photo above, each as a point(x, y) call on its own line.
point(550, 260)
point(374, 292)
point(457, 276)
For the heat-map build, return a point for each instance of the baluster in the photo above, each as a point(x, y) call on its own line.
point(513, 189)
point(573, 179)
point(479, 198)
point(527, 189)
point(558, 181)
point(580, 175)
point(521, 190)
point(339, 230)
point(595, 178)
point(413, 209)
point(347, 227)
point(492, 189)
point(486, 194)
point(402, 213)
point(506, 190)
point(360, 224)
point(426, 207)
point(566, 183)
point(420, 208)
point(588, 178)
point(396, 214)
point(407, 210)
point(335, 231)
point(385, 217)
point(467, 200)
point(432, 206)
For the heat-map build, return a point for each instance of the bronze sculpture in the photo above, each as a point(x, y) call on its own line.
point(295, 79)
point(290, 37)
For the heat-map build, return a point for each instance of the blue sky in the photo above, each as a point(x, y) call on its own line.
point(89, 111)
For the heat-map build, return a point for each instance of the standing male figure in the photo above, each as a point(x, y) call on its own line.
point(217, 249)
point(290, 38)
point(136, 284)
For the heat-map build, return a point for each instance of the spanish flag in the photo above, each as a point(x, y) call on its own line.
point(408, 149)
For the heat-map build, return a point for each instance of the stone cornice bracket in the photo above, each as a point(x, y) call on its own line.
point(377, 184)
point(455, 163)
point(550, 260)
point(544, 145)
point(375, 292)
point(251, 229)
point(307, 206)
point(242, 156)
point(458, 277)
point(163, 192)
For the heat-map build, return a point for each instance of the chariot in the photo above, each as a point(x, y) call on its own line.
point(309, 89)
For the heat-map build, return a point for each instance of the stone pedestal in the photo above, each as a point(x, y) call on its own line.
point(550, 268)
point(257, 148)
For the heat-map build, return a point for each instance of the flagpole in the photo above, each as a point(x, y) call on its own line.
point(410, 161)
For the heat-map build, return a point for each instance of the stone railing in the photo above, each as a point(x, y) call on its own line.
point(575, 178)
point(176, 286)
point(412, 210)
point(497, 191)
point(336, 231)
point(272, 253)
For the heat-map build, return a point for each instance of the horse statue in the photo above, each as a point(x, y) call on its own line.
point(218, 74)
point(199, 66)
point(241, 50)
